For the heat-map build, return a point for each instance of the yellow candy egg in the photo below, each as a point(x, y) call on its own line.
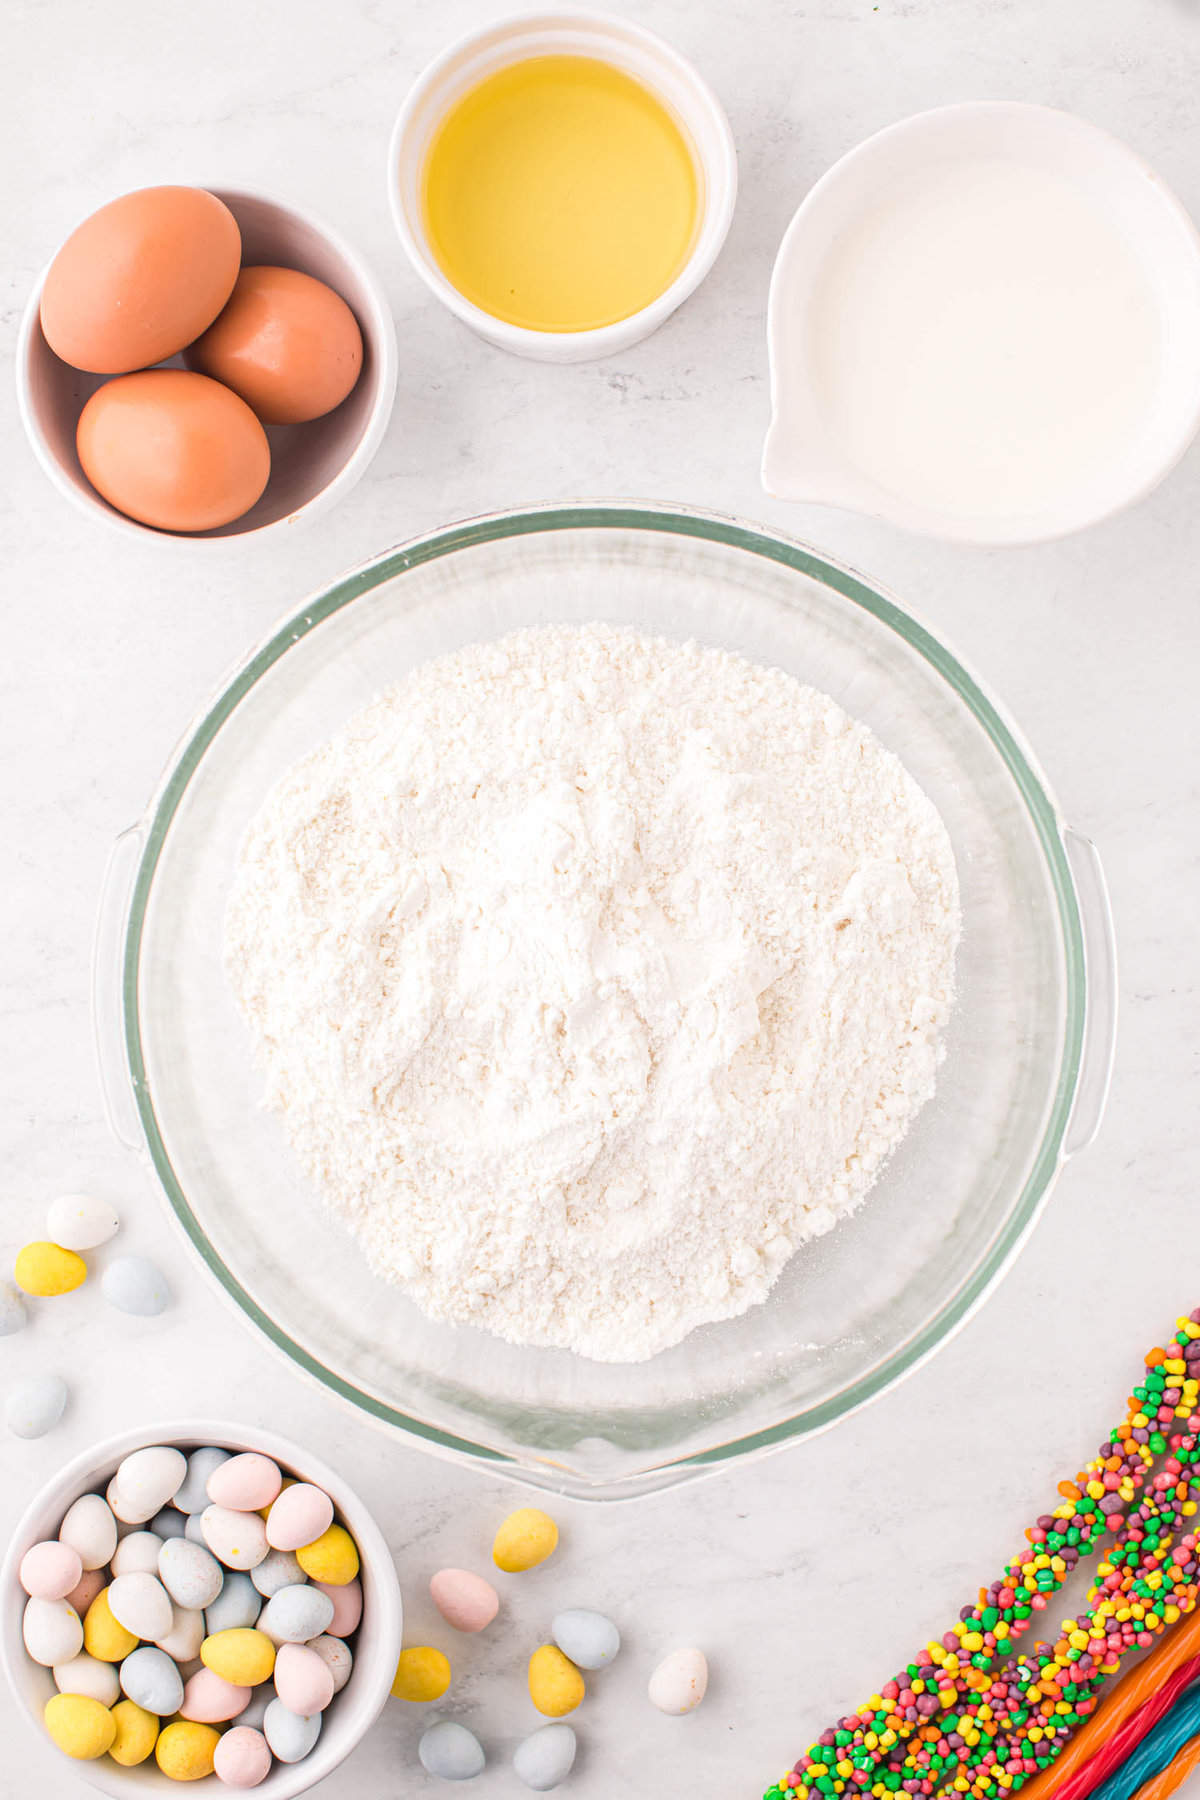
point(331, 1558)
point(240, 1655)
point(185, 1751)
point(44, 1269)
point(103, 1637)
point(137, 1732)
point(422, 1673)
point(79, 1725)
point(526, 1538)
point(555, 1684)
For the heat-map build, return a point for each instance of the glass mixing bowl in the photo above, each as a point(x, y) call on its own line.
point(1028, 1048)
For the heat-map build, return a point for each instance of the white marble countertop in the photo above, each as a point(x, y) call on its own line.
point(810, 1576)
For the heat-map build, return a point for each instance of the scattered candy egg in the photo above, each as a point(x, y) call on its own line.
point(238, 1604)
point(137, 1554)
point(141, 1603)
point(285, 342)
point(46, 1269)
point(588, 1638)
point(79, 1222)
point(466, 1601)
point(50, 1570)
point(52, 1630)
point(126, 1511)
point(422, 1673)
point(148, 1478)
point(192, 1494)
point(13, 1316)
point(169, 1523)
point(278, 1569)
point(332, 1558)
point(186, 1635)
point(679, 1683)
point(555, 1684)
point(90, 1528)
point(296, 1614)
point(255, 1710)
point(86, 1589)
point(185, 1751)
point(303, 1680)
point(150, 1679)
point(347, 1606)
point(34, 1407)
point(209, 1698)
point(244, 1482)
point(300, 1515)
point(137, 1732)
point(290, 1735)
point(243, 1656)
point(133, 1284)
point(525, 1539)
point(238, 1539)
point(79, 1725)
point(545, 1758)
point(451, 1752)
point(191, 1574)
point(337, 1657)
point(104, 1636)
point(242, 1758)
point(85, 1674)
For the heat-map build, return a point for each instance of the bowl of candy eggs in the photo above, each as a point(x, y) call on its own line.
point(199, 1603)
point(207, 365)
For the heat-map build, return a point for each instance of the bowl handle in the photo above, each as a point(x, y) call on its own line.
point(1100, 1018)
point(108, 999)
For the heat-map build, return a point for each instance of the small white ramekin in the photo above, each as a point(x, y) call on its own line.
point(376, 1649)
point(629, 47)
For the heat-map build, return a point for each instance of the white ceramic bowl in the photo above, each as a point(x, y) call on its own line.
point(639, 53)
point(376, 1646)
point(312, 465)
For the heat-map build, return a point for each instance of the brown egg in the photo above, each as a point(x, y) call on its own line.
point(286, 343)
point(173, 449)
point(140, 279)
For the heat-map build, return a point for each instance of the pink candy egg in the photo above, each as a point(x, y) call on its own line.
point(245, 1483)
point(242, 1759)
point(466, 1601)
point(299, 1516)
point(51, 1571)
point(86, 1589)
point(347, 1606)
point(209, 1700)
point(303, 1680)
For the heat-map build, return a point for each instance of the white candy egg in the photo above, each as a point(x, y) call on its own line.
point(150, 1679)
point(149, 1478)
point(168, 1523)
point(190, 1573)
point(545, 1758)
point(451, 1752)
point(680, 1682)
point(80, 1222)
point(90, 1528)
point(337, 1657)
point(192, 1496)
point(13, 1316)
point(35, 1406)
point(278, 1569)
point(238, 1539)
point(238, 1604)
point(133, 1284)
point(142, 1605)
point(296, 1614)
point(290, 1735)
point(84, 1674)
point(193, 1530)
point(137, 1554)
point(123, 1508)
point(182, 1643)
point(53, 1631)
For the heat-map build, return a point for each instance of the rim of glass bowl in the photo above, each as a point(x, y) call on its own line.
point(732, 533)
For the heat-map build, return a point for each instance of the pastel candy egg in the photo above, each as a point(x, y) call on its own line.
point(347, 1606)
point(142, 1605)
point(545, 1757)
point(125, 1510)
point(104, 1636)
point(555, 1684)
point(337, 1657)
point(169, 1523)
point(47, 1269)
point(191, 1574)
point(137, 1554)
point(211, 1699)
point(185, 1751)
point(588, 1638)
point(186, 1635)
point(332, 1558)
point(238, 1604)
point(133, 1284)
point(255, 1710)
point(244, 1657)
point(152, 1476)
point(296, 1614)
point(242, 1758)
point(13, 1316)
point(192, 1493)
point(466, 1601)
point(50, 1570)
point(151, 1680)
point(193, 1529)
point(244, 1482)
point(81, 1222)
point(85, 1674)
point(238, 1539)
point(303, 1680)
point(79, 1725)
point(90, 1528)
point(525, 1539)
point(137, 1732)
point(300, 1515)
point(278, 1569)
point(451, 1752)
point(35, 1406)
point(422, 1674)
point(86, 1589)
point(680, 1682)
point(290, 1735)
point(52, 1631)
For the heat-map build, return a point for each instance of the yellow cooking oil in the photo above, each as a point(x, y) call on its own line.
point(560, 194)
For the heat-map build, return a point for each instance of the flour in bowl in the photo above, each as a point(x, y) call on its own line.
point(592, 974)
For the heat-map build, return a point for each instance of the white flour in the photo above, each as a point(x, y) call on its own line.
point(593, 973)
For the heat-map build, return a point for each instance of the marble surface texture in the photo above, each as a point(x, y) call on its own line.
point(807, 1577)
